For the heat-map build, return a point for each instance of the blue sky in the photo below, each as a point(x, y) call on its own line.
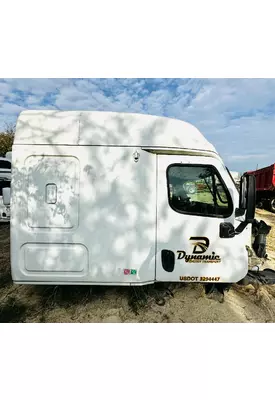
point(236, 115)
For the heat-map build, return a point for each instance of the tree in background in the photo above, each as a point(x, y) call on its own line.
point(6, 138)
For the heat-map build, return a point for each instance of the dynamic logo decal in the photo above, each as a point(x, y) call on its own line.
point(201, 245)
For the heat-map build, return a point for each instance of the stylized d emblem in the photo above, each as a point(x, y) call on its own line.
point(201, 244)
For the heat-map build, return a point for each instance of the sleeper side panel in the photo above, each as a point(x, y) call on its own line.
point(96, 224)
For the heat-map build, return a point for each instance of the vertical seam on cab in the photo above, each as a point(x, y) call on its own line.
point(156, 226)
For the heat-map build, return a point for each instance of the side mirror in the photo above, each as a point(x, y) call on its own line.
point(6, 196)
point(247, 204)
point(248, 196)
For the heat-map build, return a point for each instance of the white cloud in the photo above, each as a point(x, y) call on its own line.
point(4, 89)
point(10, 108)
point(33, 100)
point(246, 156)
point(36, 86)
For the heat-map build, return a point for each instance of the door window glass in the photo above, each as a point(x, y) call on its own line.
point(198, 190)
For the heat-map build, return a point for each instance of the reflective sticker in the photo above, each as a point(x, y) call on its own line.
point(130, 271)
point(133, 271)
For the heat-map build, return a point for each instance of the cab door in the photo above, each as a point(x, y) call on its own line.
point(194, 196)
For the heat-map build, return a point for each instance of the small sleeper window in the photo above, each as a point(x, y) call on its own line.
point(198, 190)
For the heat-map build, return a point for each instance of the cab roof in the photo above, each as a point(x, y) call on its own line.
point(100, 128)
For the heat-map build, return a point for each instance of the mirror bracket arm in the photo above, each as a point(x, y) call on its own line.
point(241, 227)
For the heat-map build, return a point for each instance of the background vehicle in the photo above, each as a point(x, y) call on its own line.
point(265, 187)
point(5, 179)
point(236, 177)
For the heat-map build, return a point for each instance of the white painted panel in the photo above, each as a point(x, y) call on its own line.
point(61, 174)
point(175, 230)
point(52, 127)
point(48, 127)
point(116, 213)
point(53, 257)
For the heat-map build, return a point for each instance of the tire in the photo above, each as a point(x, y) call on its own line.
point(272, 205)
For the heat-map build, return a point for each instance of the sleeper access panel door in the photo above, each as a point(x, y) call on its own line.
point(45, 217)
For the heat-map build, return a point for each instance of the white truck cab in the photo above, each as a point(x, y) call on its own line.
point(123, 199)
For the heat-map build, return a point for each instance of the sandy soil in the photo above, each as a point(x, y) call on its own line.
point(175, 303)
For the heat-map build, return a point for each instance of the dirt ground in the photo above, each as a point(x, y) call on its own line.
point(175, 303)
